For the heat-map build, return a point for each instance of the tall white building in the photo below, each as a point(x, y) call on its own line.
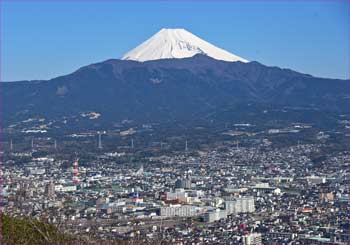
point(253, 238)
point(240, 205)
point(178, 210)
point(179, 194)
point(215, 215)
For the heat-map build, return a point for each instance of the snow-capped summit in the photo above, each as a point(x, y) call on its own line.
point(177, 43)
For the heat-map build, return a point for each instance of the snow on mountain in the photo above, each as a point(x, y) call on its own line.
point(177, 43)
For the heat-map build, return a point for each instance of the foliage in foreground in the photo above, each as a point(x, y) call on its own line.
point(30, 231)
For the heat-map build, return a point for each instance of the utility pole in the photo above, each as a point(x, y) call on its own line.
point(99, 141)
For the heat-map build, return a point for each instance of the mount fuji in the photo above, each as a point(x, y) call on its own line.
point(173, 76)
point(177, 43)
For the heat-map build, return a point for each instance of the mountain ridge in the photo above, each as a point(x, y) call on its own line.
point(170, 89)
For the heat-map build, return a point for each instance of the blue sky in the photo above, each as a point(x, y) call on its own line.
point(42, 40)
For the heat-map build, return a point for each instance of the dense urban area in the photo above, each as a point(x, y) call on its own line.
point(285, 183)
